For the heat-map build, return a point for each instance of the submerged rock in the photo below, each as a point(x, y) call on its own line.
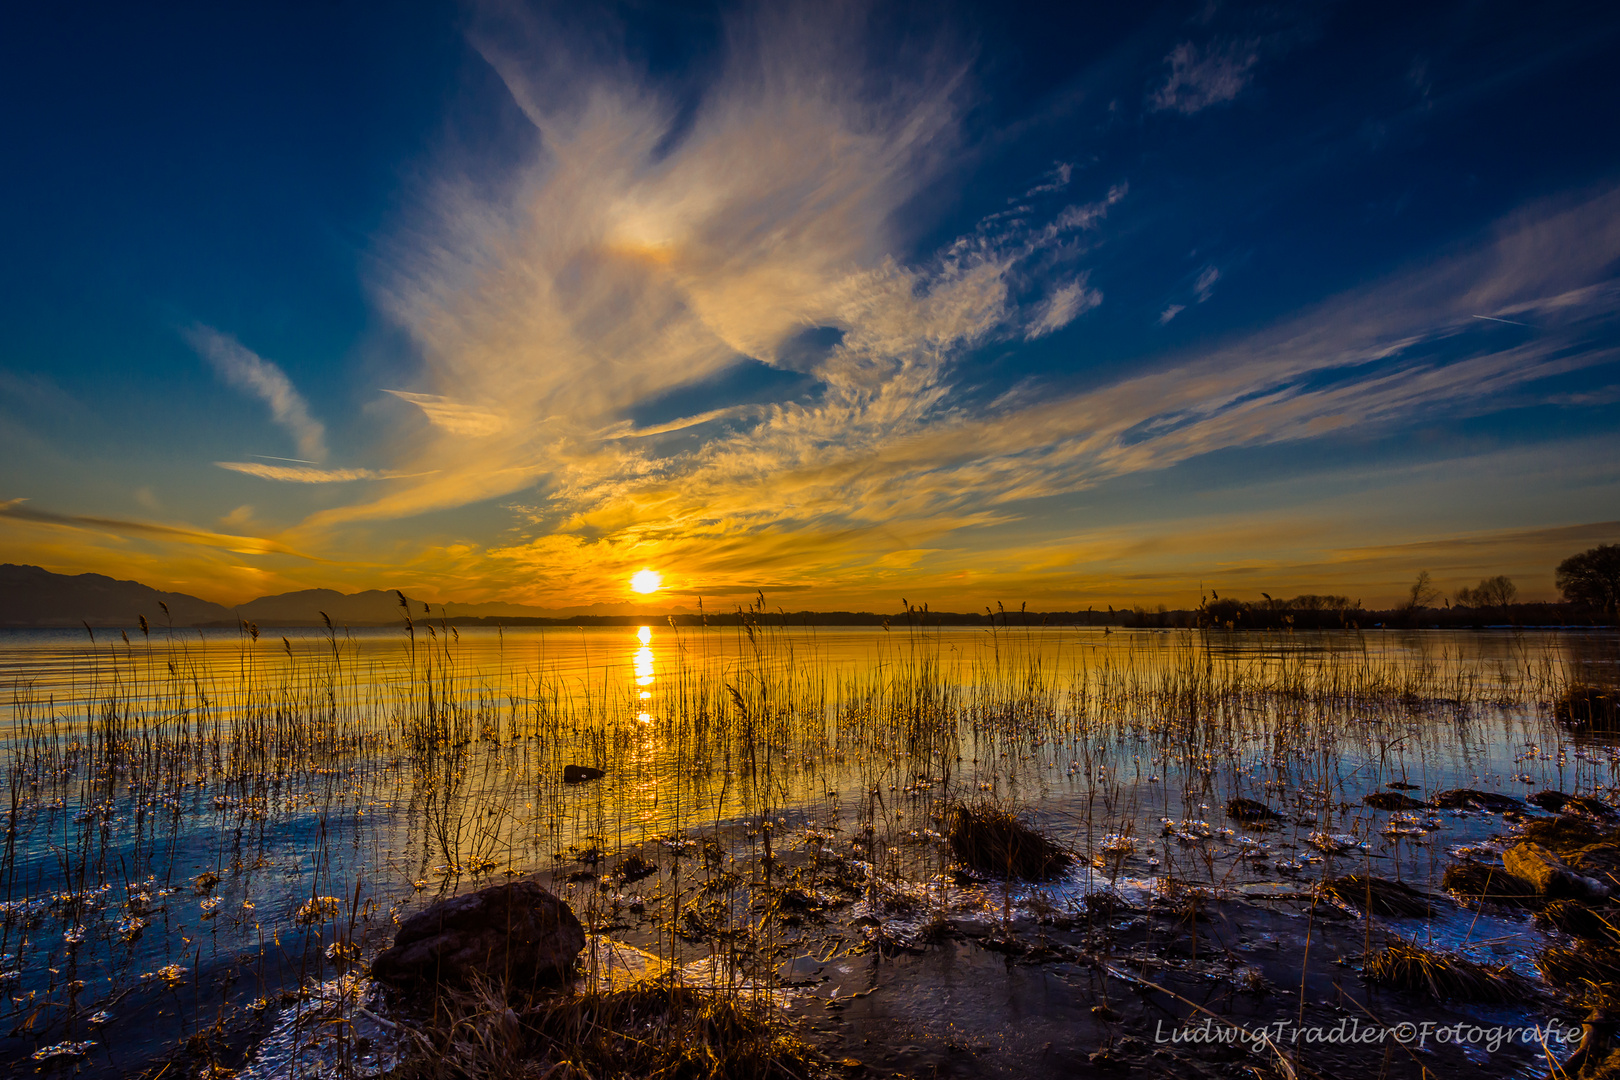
point(1535, 864)
point(517, 932)
point(1393, 800)
point(578, 774)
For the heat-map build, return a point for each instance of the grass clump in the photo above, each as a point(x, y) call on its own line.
point(1392, 800)
point(1405, 966)
point(1250, 811)
point(654, 1028)
point(1590, 973)
point(1580, 920)
point(1475, 884)
point(1377, 896)
point(990, 839)
point(1591, 707)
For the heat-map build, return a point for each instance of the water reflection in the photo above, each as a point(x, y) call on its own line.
point(644, 662)
point(243, 756)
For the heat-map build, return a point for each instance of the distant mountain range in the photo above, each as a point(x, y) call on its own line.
point(31, 596)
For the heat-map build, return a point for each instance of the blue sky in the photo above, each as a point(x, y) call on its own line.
point(1072, 305)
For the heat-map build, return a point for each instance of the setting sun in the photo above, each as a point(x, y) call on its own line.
point(646, 581)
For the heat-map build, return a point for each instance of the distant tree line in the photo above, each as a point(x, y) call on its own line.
point(1589, 583)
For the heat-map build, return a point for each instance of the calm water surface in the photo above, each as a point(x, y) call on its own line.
point(199, 822)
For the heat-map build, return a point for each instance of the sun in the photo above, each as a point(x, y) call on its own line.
point(646, 581)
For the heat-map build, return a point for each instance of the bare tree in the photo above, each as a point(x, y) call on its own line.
point(1498, 591)
point(1422, 592)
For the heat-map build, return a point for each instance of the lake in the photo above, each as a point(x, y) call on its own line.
point(204, 825)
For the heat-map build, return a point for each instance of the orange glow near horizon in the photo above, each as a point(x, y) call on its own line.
point(646, 581)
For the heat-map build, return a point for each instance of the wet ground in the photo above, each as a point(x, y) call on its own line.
point(983, 979)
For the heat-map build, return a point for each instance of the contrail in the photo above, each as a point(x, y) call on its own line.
point(1510, 322)
point(272, 457)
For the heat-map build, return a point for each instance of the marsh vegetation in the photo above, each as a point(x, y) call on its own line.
point(798, 840)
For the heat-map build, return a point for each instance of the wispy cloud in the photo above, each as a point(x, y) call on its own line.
point(458, 418)
point(1204, 285)
point(246, 545)
point(1067, 302)
point(635, 259)
point(246, 370)
point(627, 263)
point(1201, 77)
point(305, 474)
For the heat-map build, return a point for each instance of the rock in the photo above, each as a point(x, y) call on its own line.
point(1250, 810)
point(1541, 868)
point(1393, 800)
point(1474, 799)
point(578, 774)
point(517, 932)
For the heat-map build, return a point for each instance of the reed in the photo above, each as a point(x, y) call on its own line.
point(765, 778)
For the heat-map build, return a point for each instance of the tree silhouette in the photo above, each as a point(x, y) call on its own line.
point(1422, 592)
point(1498, 591)
point(1592, 577)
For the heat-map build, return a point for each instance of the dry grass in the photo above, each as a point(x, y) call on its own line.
point(1405, 966)
point(1591, 974)
point(991, 839)
point(649, 1030)
point(1377, 896)
point(1590, 707)
point(1474, 884)
point(1581, 920)
point(1250, 811)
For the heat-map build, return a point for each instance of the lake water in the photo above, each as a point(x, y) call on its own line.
point(199, 823)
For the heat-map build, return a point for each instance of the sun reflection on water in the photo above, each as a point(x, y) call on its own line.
point(644, 663)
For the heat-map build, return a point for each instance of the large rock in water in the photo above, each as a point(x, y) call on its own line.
point(518, 933)
point(1540, 867)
